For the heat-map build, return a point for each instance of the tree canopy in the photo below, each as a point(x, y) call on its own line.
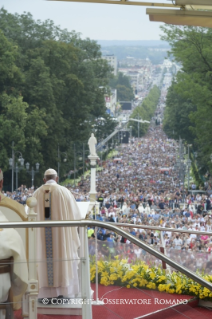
point(121, 82)
point(52, 86)
point(189, 102)
point(145, 111)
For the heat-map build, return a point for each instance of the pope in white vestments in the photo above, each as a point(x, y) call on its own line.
point(57, 247)
point(11, 245)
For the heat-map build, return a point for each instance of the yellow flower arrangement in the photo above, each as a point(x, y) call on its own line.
point(140, 275)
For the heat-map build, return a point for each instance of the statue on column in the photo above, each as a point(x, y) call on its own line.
point(92, 145)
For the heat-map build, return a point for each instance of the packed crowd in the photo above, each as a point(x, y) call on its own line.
point(140, 186)
point(21, 194)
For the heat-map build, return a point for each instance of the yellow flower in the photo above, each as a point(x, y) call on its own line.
point(161, 278)
point(120, 273)
point(145, 267)
point(162, 287)
point(206, 292)
point(134, 276)
point(104, 273)
point(152, 275)
point(151, 285)
point(171, 291)
point(113, 277)
point(104, 281)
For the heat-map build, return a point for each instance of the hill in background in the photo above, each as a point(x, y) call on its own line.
point(155, 50)
point(143, 43)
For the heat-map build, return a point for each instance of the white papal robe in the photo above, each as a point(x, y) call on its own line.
point(11, 245)
point(57, 245)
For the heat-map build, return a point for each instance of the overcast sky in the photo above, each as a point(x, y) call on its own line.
point(96, 21)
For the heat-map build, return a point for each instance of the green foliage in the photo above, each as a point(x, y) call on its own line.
point(195, 172)
point(124, 90)
point(50, 90)
point(145, 111)
point(102, 126)
point(176, 120)
point(189, 101)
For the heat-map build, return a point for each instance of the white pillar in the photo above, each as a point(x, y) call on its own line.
point(29, 306)
point(93, 192)
point(94, 205)
point(85, 276)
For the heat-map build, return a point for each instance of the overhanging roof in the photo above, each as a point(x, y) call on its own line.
point(181, 17)
point(124, 2)
point(192, 12)
point(202, 4)
point(194, 2)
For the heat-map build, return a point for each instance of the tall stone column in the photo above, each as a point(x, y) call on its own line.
point(93, 192)
point(93, 157)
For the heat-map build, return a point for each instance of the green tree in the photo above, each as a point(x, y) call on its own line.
point(124, 90)
point(176, 116)
point(145, 111)
point(58, 81)
point(192, 48)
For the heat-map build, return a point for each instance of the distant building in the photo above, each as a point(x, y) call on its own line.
point(111, 102)
point(138, 75)
point(112, 61)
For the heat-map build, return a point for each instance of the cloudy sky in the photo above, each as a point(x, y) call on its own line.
point(96, 21)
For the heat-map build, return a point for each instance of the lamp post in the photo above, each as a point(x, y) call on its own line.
point(32, 172)
point(188, 167)
point(14, 166)
point(139, 120)
point(59, 160)
point(81, 157)
point(74, 164)
point(189, 164)
point(138, 125)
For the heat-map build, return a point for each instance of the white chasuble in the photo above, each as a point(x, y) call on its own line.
point(57, 247)
point(11, 245)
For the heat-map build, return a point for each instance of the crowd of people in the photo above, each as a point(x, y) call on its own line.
point(21, 194)
point(140, 186)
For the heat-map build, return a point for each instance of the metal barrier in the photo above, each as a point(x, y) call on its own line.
point(131, 238)
point(176, 230)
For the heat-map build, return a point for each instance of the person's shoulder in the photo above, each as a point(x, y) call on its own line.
point(64, 190)
point(38, 190)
